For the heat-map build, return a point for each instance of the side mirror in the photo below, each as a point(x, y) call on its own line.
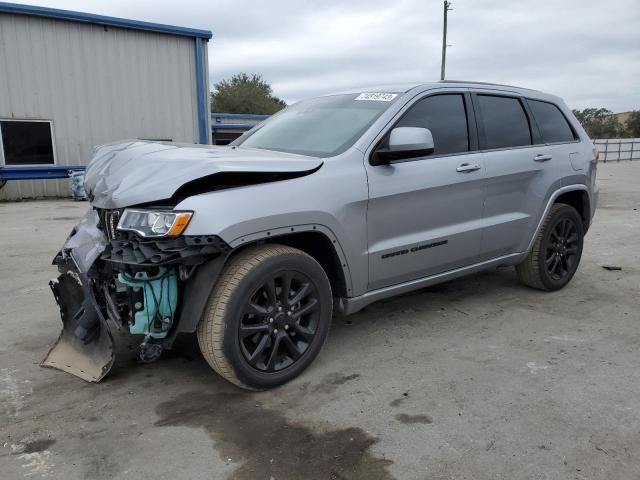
point(404, 142)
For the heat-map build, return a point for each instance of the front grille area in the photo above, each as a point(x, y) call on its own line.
point(109, 222)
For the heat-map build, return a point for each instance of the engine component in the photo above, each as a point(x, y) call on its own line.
point(158, 295)
point(150, 351)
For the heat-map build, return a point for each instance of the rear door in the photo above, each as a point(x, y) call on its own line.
point(425, 214)
point(519, 171)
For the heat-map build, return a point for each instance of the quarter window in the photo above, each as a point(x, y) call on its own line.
point(551, 122)
point(26, 142)
point(446, 117)
point(505, 122)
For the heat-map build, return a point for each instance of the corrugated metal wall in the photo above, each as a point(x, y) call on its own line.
point(98, 84)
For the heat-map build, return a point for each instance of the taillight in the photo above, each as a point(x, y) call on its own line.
point(596, 156)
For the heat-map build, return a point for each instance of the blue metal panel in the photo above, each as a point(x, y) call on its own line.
point(232, 126)
point(216, 117)
point(37, 173)
point(101, 20)
point(217, 123)
point(201, 94)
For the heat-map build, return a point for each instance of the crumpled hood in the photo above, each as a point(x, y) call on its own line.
point(134, 172)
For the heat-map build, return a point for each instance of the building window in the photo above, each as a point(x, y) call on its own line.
point(26, 142)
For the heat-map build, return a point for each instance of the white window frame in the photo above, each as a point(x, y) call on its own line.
point(33, 120)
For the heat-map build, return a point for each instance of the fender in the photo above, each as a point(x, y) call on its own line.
point(200, 286)
point(273, 233)
point(550, 202)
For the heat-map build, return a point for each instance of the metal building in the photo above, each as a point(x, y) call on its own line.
point(71, 80)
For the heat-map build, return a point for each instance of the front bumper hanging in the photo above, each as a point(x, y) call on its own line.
point(85, 347)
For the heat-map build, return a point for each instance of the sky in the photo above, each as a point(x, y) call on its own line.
point(587, 52)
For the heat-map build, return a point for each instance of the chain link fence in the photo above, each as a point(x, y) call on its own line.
point(616, 149)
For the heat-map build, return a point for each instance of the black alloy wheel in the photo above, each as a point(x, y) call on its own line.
point(267, 317)
point(279, 322)
point(561, 251)
point(554, 258)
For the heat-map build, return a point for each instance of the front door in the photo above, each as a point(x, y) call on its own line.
point(425, 214)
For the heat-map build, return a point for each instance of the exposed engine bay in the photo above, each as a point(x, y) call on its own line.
point(112, 278)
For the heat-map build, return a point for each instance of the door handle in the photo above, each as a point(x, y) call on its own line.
point(542, 158)
point(467, 167)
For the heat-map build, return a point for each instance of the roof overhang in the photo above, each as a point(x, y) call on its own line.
point(91, 18)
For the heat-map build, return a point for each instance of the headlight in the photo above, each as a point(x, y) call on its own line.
point(154, 223)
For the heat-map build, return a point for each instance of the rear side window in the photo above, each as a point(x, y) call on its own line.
point(505, 122)
point(551, 122)
point(446, 117)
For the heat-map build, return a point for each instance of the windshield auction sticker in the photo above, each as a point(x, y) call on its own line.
point(377, 97)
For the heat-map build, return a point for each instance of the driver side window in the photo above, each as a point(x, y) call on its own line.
point(446, 117)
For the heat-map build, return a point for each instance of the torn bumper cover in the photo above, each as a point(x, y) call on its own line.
point(85, 347)
point(108, 278)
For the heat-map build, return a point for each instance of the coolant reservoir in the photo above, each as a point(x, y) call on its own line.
point(154, 313)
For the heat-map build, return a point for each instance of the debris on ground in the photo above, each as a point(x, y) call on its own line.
point(611, 267)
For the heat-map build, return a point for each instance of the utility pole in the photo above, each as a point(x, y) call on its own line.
point(447, 7)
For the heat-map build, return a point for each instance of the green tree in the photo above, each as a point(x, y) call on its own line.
point(599, 122)
point(245, 93)
point(632, 125)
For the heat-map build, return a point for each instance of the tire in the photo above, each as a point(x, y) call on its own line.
point(556, 252)
point(242, 323)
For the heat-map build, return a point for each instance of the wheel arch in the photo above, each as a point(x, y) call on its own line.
point(317, 241)
point(572, 193)
point(578, 199)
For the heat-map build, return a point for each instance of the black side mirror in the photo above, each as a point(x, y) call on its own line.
point(404, 142)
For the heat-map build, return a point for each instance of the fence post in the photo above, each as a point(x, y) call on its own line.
point(619, 149)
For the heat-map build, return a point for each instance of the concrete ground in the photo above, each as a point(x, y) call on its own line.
point(479, 378)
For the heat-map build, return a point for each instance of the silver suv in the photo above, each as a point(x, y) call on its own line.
point(327, 206)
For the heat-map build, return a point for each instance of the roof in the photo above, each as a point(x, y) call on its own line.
point(422, 86)
point(91, 18)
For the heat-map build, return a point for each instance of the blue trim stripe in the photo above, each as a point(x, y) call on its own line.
point(203, 135)
point(232, 126)
point(58, 14)
point(38, 173)
point(216, 117)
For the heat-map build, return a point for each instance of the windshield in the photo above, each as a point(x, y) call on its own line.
point(320, 127)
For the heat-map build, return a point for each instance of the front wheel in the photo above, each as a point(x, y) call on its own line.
point(267, 317)
point(557, 250)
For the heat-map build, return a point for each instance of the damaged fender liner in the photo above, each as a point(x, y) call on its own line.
point(132, 249)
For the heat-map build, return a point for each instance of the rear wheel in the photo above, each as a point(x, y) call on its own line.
point(267, 317)
point(556, 253)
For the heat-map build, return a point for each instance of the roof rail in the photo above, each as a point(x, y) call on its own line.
point(486, 83)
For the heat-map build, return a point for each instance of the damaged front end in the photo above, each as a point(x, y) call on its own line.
point(150, 284)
